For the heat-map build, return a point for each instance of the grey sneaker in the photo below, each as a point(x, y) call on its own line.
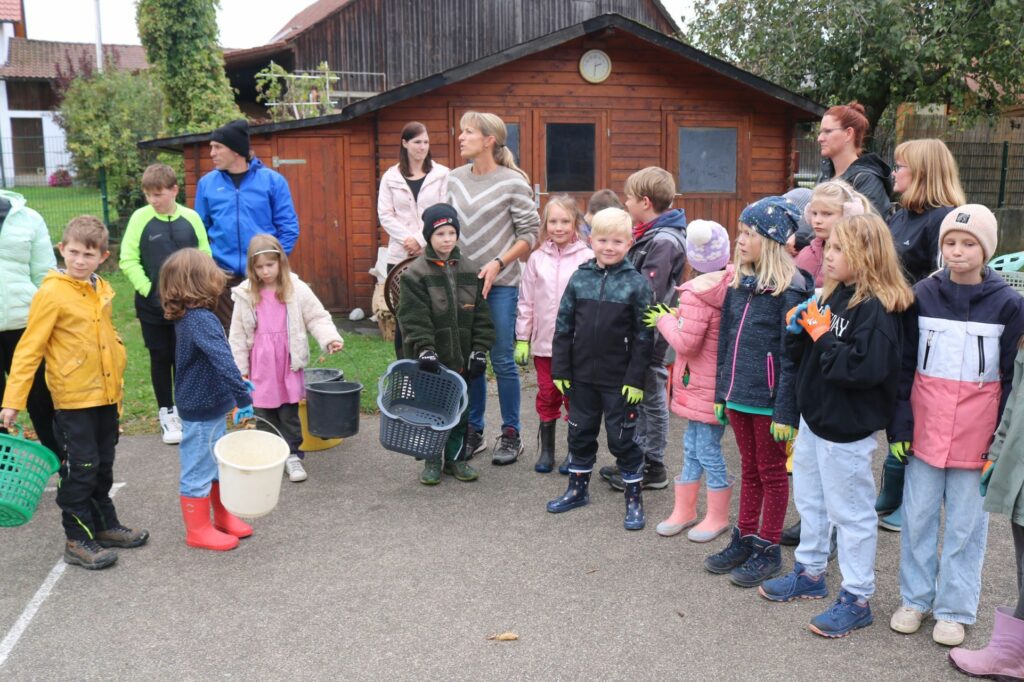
point(472, 444)
point(507, 448)
point(88, 554)
point(293, 467)
point(119, 536)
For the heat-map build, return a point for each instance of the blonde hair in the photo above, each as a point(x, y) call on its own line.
point(267, 245)
point(866, 242)
point(774, 270)
point(491, 125)
point(87, 230)
point(655, 183)
point(567, 204)
point(611, 221)
point(841, 197)
point(189, 278)
point(934, 178)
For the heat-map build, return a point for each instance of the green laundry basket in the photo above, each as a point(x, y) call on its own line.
point(1010, 262)
point(25, 467)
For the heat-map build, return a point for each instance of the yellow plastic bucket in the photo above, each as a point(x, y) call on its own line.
point(251, 464)
point(311, 443)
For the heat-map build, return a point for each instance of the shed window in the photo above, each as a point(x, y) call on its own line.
point(512, 140)
point(571, 157)
point(707, 160)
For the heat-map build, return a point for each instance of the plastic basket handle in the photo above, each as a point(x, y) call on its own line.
point(209, 441)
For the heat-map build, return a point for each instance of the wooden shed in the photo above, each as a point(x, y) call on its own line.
point(727, 136)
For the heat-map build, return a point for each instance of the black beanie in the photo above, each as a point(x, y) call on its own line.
point(234, 136)
point(437, 216)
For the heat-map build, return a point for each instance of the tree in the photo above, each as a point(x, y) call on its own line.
point(180, 37)
point(879, 52)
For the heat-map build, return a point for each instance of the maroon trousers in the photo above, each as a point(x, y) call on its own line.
point(764, 493)
point(549, 400)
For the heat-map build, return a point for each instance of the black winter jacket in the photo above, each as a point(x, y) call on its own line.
point(916, 236)
point(753, 367)
point(869, 175)
point(600, 336)
point(848, 380)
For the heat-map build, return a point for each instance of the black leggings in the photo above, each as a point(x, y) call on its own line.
point(161, 372)
point(1018, 546)
point(40, 403)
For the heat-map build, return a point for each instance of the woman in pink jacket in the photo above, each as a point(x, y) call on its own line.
point(561, 249)
point(408, 188)
point(693, 332)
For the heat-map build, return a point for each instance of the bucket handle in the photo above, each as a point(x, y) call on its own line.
point(209, 441)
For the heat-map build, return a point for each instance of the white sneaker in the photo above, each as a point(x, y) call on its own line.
point(170, 426)
point(948, 632)
point(906, 620)
point(293, 467)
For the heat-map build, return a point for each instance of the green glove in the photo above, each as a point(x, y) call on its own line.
point(986, 475)
point(522, 353)
point(561, 384)
point(633, 395)
point(720, 414)
point(900, 450)
point(655, 312)
point(782, 432)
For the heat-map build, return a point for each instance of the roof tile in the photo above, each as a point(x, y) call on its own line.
point(39, 58)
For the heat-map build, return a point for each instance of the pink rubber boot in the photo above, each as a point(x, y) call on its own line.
point(717, 520)
point(1002, 658)
point(684, 514)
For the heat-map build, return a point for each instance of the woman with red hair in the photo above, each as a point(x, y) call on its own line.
point(841, 138)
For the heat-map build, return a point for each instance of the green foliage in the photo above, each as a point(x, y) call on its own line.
point(180, 37)
point(293, 96)
point(103, 117)
point(881, 52)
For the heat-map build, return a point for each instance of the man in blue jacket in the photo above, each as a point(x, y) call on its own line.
point(237, 200)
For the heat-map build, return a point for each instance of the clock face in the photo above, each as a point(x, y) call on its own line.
point(595, 66)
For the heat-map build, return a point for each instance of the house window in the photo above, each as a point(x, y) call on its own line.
point(571, 157)
point(707, 160)
point(512, 140)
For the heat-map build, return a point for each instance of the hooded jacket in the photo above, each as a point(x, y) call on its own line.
point(848, 380)
point(1006, 487)
point(869, 175)
point(916, 236)
point(261, 204)
point(544, 280)
point(600, 335)
point(811, 260)
point(754, 369)
point(660, 256)
point(70, 326)
point(26, 255)
point(957, 371)
point(693, 333)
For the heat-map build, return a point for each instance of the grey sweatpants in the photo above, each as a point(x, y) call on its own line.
point(652, 416)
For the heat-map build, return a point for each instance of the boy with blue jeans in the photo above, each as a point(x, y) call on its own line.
point(599, 354)
point(70, 325)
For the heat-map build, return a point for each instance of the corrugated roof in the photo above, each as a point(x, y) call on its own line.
point(39, 58)
point(308, 17)
point(10, 10)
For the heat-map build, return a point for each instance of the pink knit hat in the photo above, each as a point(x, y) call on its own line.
point(976, 220)
point(707, 245)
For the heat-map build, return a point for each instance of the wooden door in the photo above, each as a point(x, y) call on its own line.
point(315, 168)
point(570, 152)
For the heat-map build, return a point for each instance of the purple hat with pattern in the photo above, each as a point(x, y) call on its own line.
point(707, 245)
point(773, 217)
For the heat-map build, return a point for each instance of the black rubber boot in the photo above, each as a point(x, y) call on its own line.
point(546, 456)
point(791, 535)
point(890, 494)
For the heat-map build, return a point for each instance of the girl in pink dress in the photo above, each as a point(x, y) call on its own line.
point(273, 311)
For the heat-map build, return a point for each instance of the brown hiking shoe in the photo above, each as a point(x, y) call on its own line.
point(119, 536)
point(88, 554)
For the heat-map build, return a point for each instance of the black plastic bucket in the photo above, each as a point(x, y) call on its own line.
point(321, 374)
point(333, 408)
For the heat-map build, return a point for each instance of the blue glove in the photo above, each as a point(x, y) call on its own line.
point(249, 385)
point(243, 413)
point(793, 316)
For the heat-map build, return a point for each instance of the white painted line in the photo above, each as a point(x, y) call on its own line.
point(34, 604)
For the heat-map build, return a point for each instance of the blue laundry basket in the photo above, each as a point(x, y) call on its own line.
point(418, 409)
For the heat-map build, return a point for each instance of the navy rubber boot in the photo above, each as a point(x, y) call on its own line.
point(576, 495)
point(635, 519)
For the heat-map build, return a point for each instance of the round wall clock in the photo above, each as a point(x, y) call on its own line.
point(595, 66)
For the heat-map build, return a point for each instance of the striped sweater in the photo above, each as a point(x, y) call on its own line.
point(495, 211)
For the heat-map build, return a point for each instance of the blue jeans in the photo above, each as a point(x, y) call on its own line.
point(503, 302)
point(948, 587)
point(652, 423)
point(198, 465)
point(702, 452)
point(832, 482)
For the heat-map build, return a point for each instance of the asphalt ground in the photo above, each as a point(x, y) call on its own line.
point(361, 573)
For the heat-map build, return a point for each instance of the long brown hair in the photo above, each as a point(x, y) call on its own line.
point(412, 129)
point(267, 245)
point(866, 242)
point(189, 279)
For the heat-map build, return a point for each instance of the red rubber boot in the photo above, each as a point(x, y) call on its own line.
point(199, 532)
point(225, 520)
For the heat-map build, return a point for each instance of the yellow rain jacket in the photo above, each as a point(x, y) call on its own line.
point(70, 325)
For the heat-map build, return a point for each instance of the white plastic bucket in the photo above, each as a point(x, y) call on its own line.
point(251, 464)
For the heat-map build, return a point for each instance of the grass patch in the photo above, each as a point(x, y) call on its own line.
point(58, 205)
point(364, 359)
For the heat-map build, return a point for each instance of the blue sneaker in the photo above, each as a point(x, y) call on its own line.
point(844, 616)
point(796, 584)
point(893, 522)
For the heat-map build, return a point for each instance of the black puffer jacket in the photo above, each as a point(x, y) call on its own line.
point(869, 175)
point(916, 236)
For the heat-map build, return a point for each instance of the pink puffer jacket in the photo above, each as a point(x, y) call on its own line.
point(694, 336)
point(544, 280)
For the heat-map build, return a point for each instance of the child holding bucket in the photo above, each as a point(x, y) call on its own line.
point(273, 311)
point(208, 385)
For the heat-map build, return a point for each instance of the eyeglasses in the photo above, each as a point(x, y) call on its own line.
point(897, 167)
point(828, 131)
